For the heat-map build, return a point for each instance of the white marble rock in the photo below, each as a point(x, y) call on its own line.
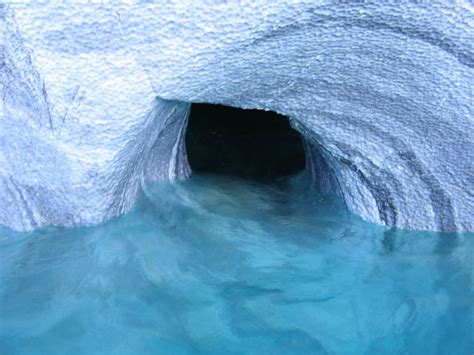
point(94, 101)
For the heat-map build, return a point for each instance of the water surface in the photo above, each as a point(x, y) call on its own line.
point(218, 265)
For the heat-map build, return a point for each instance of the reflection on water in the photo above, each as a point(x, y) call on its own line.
point(216, 265)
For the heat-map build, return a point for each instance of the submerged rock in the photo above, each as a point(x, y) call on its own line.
point(94, 101)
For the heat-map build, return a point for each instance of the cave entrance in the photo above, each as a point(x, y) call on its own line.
point(251, 144)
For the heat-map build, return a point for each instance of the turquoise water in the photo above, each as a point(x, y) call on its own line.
point(216, 265)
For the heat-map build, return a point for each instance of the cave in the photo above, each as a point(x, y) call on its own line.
point(249, 144)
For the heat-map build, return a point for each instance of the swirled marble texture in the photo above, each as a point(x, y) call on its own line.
point(94, 101)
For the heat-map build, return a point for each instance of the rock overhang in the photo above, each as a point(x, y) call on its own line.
point(382, 95)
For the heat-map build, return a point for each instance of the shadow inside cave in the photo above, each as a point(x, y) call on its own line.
point(249, 144)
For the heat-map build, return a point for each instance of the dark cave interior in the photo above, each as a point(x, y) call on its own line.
point(249, 144)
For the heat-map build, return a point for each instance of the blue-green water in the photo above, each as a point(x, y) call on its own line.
point(216, 265)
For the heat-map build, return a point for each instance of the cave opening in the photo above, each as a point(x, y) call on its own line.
point(249, 144)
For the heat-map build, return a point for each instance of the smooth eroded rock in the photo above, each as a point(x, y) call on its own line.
point(94, 101)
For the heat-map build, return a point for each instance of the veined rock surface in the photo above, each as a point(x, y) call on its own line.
point(94, 101)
